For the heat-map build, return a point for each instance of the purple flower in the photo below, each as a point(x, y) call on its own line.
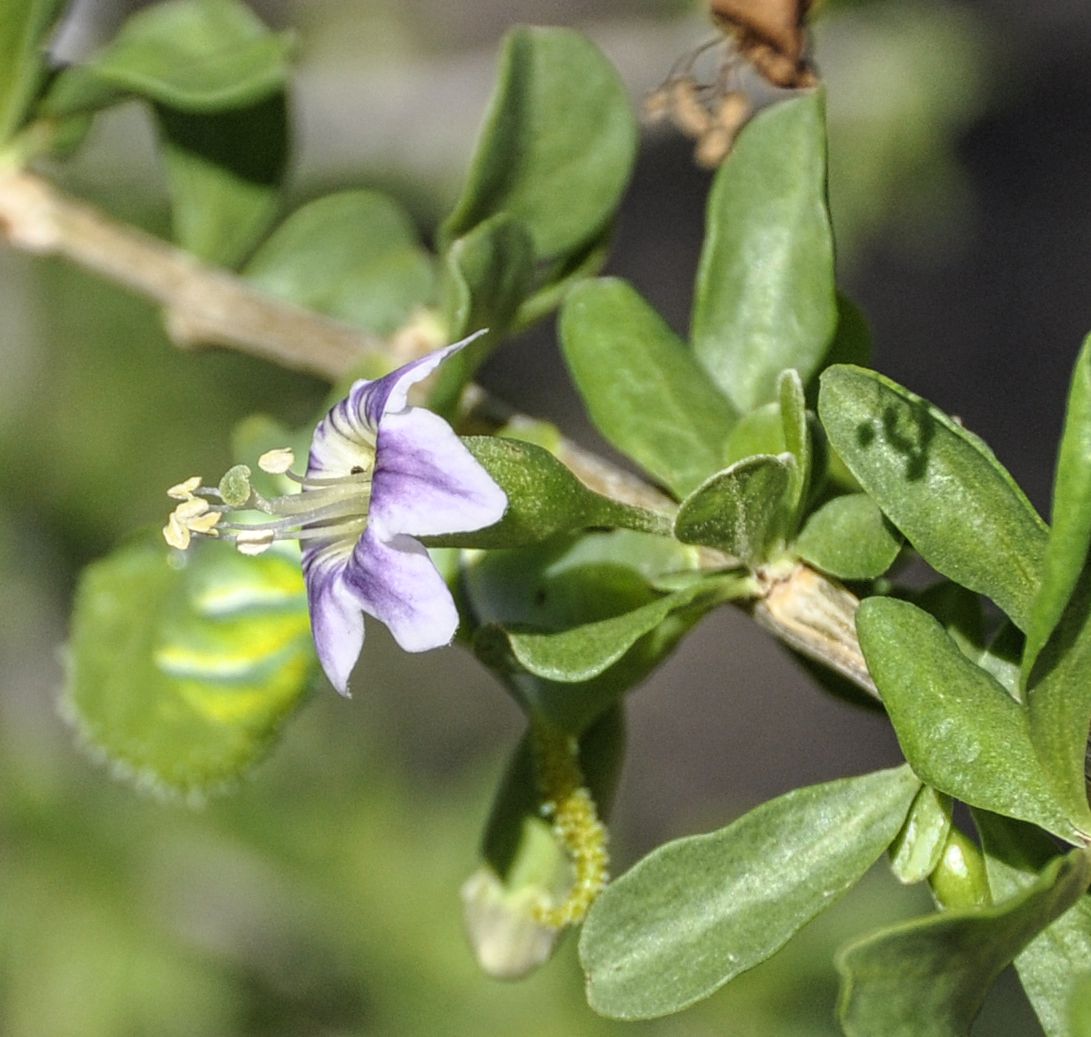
point(380, 474)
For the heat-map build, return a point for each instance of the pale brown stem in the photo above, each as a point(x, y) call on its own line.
point(207, 306)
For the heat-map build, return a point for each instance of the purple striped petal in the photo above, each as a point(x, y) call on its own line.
point(336, 621)
point(397, 583)
point(388, 394)
point(426, 482)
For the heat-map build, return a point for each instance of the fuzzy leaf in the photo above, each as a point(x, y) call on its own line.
point(930, 975)
point(959, 729)
point(919, 845)
point(1051, 963)
point(224, 172)
point(352, 255)
point(740, 510)
point(765, 297)
point(486, 276)
point(1066, 553)
point(643, 389)
point(557, 146)
point(939, 484)
point(190, 55)
point(848, 537)
point(698, 911)
point(585, 651)
point(24, 27)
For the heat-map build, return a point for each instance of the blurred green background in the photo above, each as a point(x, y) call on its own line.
point(321, 897)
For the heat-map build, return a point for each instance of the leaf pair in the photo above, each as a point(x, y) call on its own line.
point(943, 488)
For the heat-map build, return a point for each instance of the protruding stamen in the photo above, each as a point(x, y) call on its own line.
point(277, 462)
point(191, 516)
point(234, 488)
point(184, 490)
point(254, 543)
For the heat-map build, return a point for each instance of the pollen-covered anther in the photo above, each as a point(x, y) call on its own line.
point(277, 462)
point(254, 542)
point(191, 516)
point(184, 490)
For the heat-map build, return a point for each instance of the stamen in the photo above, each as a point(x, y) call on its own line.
point(277, 462)
point(254, 543)
point(184, 490)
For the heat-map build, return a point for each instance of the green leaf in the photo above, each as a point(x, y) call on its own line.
point(565, 583)
point(939, 484)
point(198, 56)
point(848, 537)
point(486, 276)
point(759, 432)
point(24, 28)
point(919, 846)
point(585, 651)
point(1080, 1007)
point(797, 438)
point(740, 510)
point(544, 499)
point(557, 146)
point(765, 285)
point(224, 172)
point(1059, 697)
point(1067, 549)
point(180, 675)
point(930, 976)
point(959, 729)
point(696, 912)
point(1050, 965)
point(352, 255)
point(643, 390)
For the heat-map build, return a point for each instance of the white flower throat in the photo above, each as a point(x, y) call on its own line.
point(332, 508)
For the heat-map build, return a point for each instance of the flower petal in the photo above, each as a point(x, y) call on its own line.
point(427, 482)
point(398, 584)
point(388, 394)
point(337, 623)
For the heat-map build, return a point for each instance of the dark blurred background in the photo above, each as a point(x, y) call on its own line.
point(321, 897)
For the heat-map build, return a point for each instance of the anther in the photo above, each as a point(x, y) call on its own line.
point(276, 462)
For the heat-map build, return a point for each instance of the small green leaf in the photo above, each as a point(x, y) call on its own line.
point(191, 55)
point(643, 389)
point(1050, 965)
point(930, 976)
point(759, 432)
point(1080, 1007)
point(557, 146)
point(486, 276)
point(959, 729)
point(1059, 697)
point(544, 499)
point(565, 583)
point(765, 286)
point(919, 846)
point(797, 438)
point(939, 484)
point(1066, 552)
point(697, 912)
point(740, 510)
point(1000, 657)
point(352, 255)
point(585, 651)
point(224, 172)
point(24, 27)
point(848, 537)
point(181, 676)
